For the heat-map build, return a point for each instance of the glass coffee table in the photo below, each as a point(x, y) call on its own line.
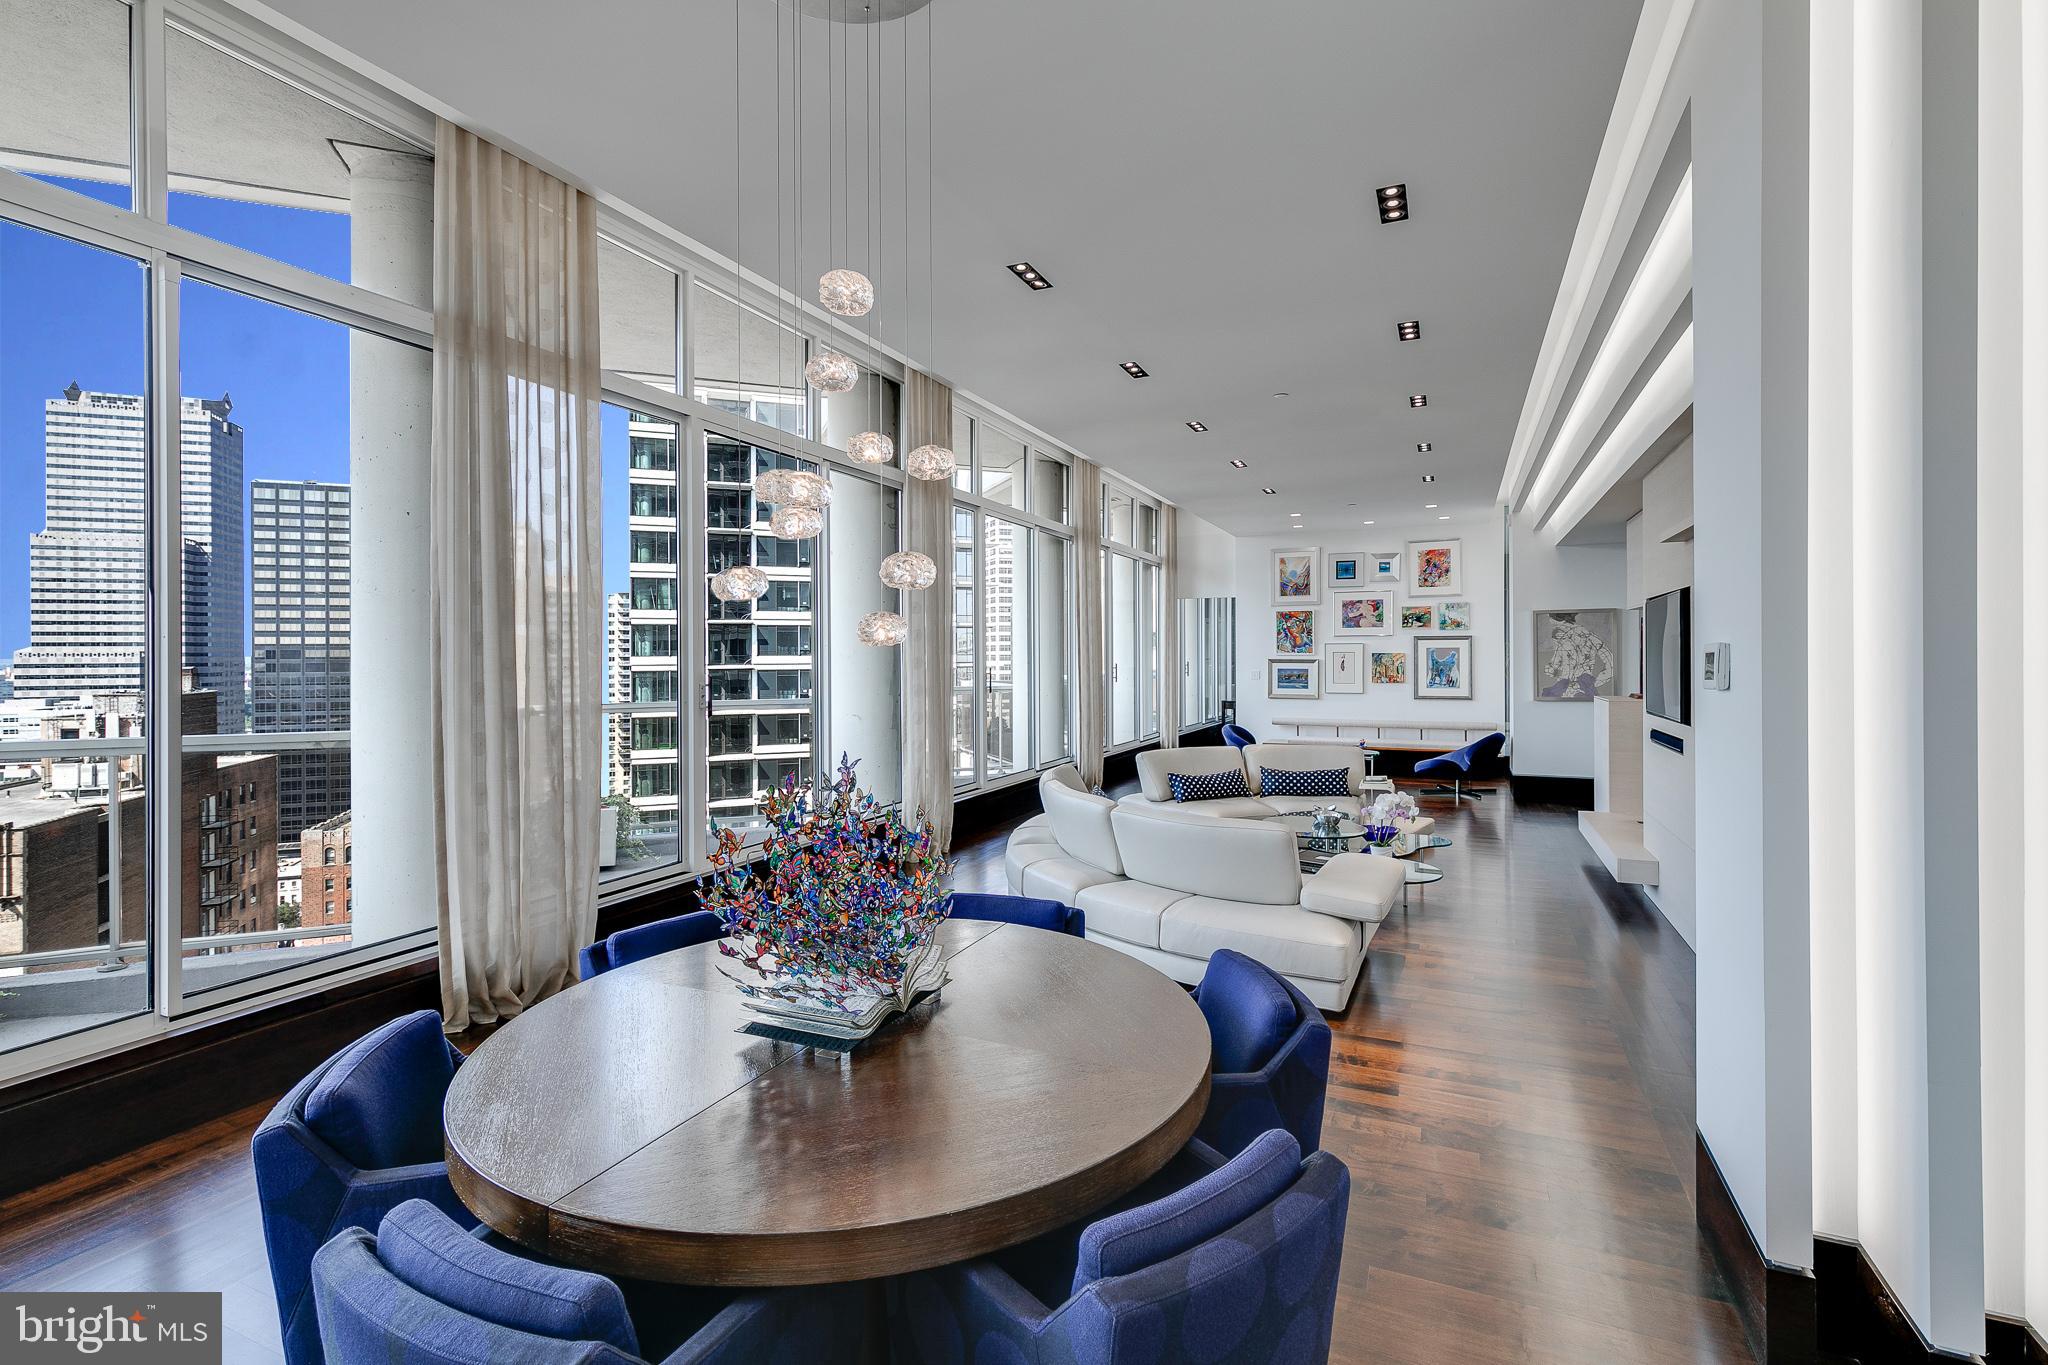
point(1349, 837)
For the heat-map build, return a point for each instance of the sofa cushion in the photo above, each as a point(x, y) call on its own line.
point(379, 1103)
point(1251, 1012)
point(1061, 879)
point(1227, 808)
point(1018, 856)
point(1287, 938)
point(1080, 821)
point(1128, 911)
point(1036, 830)
point(1157, 766)
point(1305, 782)
point(1242, 860)
point(1206, 786)
point(1300, 757)
point(1360, 886)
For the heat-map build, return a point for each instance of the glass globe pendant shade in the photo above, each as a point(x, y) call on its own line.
point(909, 569)
point(871, 447)
point(792, 488)
point(882, 628)
point(740, 583)
point(847, 293)
point(794, 521)
point(831, 372)
point(931, 463)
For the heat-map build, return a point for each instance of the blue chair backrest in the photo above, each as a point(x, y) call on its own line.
point(1248, 1255)
point(643, 941)
point(1237, 737)
point(1271, 1054)
point(1026, 910)
point(358, 1136)
point(1487, 748)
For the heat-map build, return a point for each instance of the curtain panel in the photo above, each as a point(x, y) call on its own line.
point(927, 671)
point(1089, 673)
point(515, 533)
point(1172, 668)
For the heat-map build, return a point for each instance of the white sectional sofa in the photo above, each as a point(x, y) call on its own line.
point(1171, 883)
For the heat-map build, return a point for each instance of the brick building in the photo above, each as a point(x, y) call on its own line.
point(326, 873)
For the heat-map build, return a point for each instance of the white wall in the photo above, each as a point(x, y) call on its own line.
point(1555, 738)
point(1382, 704)
point(1666, 564)
point(1208, 558)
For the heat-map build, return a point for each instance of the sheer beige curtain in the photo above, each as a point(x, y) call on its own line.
point(1172, 668)
point(515, 529)
point(1088, 668)
point(928, 667)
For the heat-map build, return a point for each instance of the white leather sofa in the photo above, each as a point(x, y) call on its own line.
point(1170, 886)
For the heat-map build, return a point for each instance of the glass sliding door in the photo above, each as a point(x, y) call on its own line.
point(1125, 621)
point(1052, 655)
point(863, 695)
point(966, 653)
point(1151, 667)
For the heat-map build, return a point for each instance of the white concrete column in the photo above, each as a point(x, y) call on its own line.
point(391, 681)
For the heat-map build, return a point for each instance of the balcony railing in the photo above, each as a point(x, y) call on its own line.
point(114, 954)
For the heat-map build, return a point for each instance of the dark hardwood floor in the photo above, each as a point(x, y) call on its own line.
point(1512, 1089)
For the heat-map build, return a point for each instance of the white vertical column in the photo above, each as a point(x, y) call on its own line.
point(2002, 629)
point(1891, 1015)
point(2033, 377)
point(391, 607)
point(1831, 586)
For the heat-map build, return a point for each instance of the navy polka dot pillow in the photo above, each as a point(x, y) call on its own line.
point(1206, 786)
point(1308, 782)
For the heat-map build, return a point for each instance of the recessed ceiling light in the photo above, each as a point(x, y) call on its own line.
point(1282, 394)
point(1365, 523)
point(1028, 273)
point(1423, 447)
point(1269, 492)
point(1237, 464)
point(1196, 426)
point(1445, 517)
point(1429, 478)
point(1418, 400)
point(1409, 331)
point(1429, 507)
point(1393, 203)
point(1132, 368)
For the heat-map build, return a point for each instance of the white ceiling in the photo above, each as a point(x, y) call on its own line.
point(1196, 179)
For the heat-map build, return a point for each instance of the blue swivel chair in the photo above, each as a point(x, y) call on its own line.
point(424, 1292)
point(1458, 765)
point(1270, 1052)
point(1238, 1266)
point(1237, 737)
point(649, 940)
point(1027, 910)
point(353, 1140)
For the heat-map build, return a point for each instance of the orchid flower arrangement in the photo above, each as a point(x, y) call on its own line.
point(839, 905)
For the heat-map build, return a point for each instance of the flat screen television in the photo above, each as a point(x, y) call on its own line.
point(1667, 656)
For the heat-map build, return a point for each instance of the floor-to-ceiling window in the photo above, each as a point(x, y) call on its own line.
point(1131, 615)
point(213, 621)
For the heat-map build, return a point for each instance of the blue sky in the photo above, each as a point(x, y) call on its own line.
point(69, 312)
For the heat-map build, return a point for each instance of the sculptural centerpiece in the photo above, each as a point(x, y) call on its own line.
point(832, 923)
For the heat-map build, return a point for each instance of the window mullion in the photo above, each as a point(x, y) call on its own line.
point(149, 140)
point(693, 673)
point(164, 643)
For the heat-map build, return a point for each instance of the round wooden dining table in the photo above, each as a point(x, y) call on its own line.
point(627, 1126)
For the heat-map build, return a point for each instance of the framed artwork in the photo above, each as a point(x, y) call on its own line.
point(1390, 667)
point(1418, 616)
point(1454, 616)
point(1294, 679)
point(1297, 577)
point(1347, 668)
point(1443, 667)
point(1294, 632)
point(1436, 568)
point(1363, 616)
point(1577, 654)
point(1386, 566)
point(1344, 570)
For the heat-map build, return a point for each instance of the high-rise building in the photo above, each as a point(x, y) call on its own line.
point(86, 596)
point(299, 639)
point(618, 687)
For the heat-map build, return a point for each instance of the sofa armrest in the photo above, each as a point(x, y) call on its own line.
point(1354, 886)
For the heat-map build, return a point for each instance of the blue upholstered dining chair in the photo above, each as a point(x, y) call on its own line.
point(421, 1291)
point(353, 1140)
point(1458, 764)
point(649, 940)
point(1270, 1051)
point(1027, 910)
point(1237, 737)
point(1238, 1266)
